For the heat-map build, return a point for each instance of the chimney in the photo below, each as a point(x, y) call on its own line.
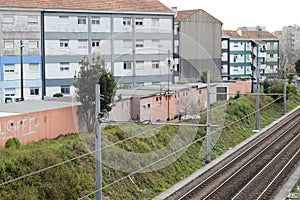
point(174, 10)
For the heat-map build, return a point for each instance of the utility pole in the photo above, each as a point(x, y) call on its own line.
point(284, 88)
point(169, 63)
point(257, 98)
point(98, 144)
point(21, 66)
point(208, 148)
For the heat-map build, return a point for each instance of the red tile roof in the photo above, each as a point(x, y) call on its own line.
point(183, 14)
point(260, 35)
point(99, 5)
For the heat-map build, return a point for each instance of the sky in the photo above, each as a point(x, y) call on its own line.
point(238, 13)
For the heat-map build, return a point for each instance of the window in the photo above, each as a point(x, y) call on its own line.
point(127, 43)
point(235, 44)
point(234, 58)
point(236, 68)
point(32, 20)
point(95, 20)
point(155, 43)
point(139, 44)
point(65, 89)
point(139, 65)
point(10, 92)
point(64, 66)
point(34, 91)
point(63, 20)
point(95, 43)
point(127, 65)
point(33, 68)
point(155, 64)
point(139, 21)
point(126, 21)
point(82, 44)
point(81, 20)
point(271, 55)
point(8, 44)
point(64, 43)
point(155, 22)
point(33, 44)
point(8, 19)
point(272, 67)
point(9, 68)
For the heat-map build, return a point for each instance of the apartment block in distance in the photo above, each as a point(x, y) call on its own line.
point(135, 38)
point(245, 51)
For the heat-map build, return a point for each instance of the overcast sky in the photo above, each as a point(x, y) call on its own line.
point(237, 13)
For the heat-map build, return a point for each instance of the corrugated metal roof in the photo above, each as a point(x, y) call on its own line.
point(97, 5)
point(33, 106)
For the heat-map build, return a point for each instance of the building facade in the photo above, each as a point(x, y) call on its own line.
point(20, 33)
point(197, 44)
point(245, 51)
point(134, 39)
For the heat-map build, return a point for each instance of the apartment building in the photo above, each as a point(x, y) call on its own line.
point(134, 38)
point(197, 38)
point(20, 33)
point(244, 51)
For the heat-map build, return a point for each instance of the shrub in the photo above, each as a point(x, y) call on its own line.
point(58, 95)
point(13, 143)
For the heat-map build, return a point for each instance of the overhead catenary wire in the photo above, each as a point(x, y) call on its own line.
point(91, 152)
point(171, 154)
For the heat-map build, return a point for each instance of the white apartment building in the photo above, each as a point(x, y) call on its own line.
point(134, 38)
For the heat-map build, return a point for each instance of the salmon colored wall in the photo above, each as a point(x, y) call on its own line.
point(39, 125)
point(243, 86)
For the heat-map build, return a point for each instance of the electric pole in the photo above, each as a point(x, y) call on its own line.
point(284, 88)
point(98, 144)
point(208, 148)
point(21, 66)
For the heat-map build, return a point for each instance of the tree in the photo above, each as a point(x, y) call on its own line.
point(298, 67)
point(88, 76)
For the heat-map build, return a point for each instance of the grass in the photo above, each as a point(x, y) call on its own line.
point(76, 179)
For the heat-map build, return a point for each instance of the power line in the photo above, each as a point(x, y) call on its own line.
point(145, 167)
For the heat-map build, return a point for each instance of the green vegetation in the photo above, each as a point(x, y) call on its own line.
point(76, 179)
point(58, 95)
point(13, 143)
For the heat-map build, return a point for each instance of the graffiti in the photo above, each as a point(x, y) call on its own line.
point(18, 128)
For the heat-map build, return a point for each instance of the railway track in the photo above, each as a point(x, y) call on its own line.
point(253, 172)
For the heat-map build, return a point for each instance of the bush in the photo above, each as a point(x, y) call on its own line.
point(58, 95)
point(13, 143)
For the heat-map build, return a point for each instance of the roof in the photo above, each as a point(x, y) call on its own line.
point(32, 106)
point(95, 5)
point(184, 14)
point(253, 35)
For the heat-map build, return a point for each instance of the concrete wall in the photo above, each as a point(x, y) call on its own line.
point(37, 126)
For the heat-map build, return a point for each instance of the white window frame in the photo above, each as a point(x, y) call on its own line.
point(64, 66)
point(65, 89)
point(34, 68)
point(10, 92)
point(8, 19)
point(9, 44)
point(95, 43)
point(95, 20)
point(155, 64)
point(139, 43)
point(34, 91)
point(81, 20)
point(127, 65)
point(64, 43)
point(127, 43)
point(139, 65)
point(82, 44)
point(9, 68)
point(127, 21)
point(63, 20)
point(33, 20)
point(155, 22)
point(139, 21)
point(33, 44)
